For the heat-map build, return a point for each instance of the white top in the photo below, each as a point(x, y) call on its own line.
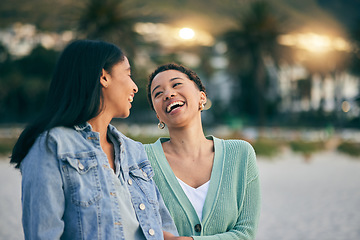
point(131, 226)
point(196, 196)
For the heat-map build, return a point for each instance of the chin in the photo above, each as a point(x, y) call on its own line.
point(123, 115)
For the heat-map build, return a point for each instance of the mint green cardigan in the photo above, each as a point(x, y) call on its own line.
point(232, 204)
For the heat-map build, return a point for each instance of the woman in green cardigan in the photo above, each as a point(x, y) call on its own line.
point(210, 186)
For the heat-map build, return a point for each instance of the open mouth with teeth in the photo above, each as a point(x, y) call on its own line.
point(174, 105)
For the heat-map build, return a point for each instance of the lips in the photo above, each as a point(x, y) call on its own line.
point(174, 105)
point(131, 98)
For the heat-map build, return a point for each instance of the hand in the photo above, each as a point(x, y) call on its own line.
point(169, 236)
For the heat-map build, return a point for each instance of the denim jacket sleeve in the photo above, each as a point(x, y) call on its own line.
point(168, 224)
point(42, 199)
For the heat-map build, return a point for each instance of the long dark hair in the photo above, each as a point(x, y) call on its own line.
point(75, 94)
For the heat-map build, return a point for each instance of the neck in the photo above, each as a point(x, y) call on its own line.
point(187, 140)
point(188, 151)
point(100, 124)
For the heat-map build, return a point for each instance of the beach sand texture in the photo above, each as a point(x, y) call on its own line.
point(318, 199)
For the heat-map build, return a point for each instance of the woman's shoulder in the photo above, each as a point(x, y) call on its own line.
point(58, 134)
point(233, 149)
point(239, 143)
point(59, 130)
point(68, 141)
point(234, 143)
point(239, 152)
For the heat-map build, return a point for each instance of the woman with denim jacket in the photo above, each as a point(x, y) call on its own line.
point(81, 178)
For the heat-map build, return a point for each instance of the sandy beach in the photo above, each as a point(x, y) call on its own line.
point(317, 199)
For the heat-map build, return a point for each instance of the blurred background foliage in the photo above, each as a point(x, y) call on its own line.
point(242, 60)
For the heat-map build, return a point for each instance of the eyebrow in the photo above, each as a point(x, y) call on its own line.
point(172, 79)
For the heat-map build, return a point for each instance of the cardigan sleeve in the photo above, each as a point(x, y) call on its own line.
point(247, 222)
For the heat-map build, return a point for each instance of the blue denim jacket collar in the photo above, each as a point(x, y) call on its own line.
point(83, 127)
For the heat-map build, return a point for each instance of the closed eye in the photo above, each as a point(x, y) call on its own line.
point(177, 84)
point(157, 94)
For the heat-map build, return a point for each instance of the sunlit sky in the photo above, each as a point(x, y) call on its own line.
point(171, 36)
point(315, 42)
point(186, 33)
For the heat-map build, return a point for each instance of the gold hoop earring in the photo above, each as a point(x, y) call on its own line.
point(161, 125)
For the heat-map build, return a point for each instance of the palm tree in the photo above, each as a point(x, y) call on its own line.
point(248, 48)
point(107, 20)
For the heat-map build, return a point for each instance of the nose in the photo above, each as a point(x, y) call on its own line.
point(135, 89)
point(168, 95)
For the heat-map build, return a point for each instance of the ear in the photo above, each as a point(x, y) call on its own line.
point(203, 97)
point(104, 79)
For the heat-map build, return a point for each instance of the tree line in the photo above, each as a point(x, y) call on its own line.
point(24, 81)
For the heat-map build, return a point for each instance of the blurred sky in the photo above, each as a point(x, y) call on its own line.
point(210, 15)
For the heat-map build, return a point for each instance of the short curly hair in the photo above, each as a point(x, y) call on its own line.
point(173, 66)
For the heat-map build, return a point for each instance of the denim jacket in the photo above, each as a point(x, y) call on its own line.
point(67, 192)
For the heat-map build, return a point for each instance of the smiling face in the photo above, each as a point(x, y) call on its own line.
point(176, 98)
point(118, 90)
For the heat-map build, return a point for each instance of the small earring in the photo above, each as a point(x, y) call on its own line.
point(202, 106)
point(161, 125)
